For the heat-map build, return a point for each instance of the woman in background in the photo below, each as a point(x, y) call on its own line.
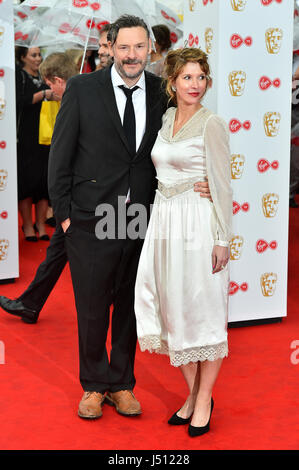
point(162, 45)
point(32, 158)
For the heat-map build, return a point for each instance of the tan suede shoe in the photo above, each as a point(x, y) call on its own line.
point(124, 402)
point(90, 406)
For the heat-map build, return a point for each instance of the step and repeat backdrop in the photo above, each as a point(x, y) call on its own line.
point(9, 256)
point(250, 45)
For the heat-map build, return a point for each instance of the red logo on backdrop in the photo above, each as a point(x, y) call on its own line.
point(265, 83)
point(238, 207)
point(101, 24)
point(167, 17)
point(268, 2)
point(235, 125)
point(2, 73)
point(4, 214)
point(236, 41)
point(234, 287)
point(173, 37)
point(262, 245)
point(95, 6)
point(192, 40)
point(263, 165)
point(80, 3)
point(205, 2)
point(2, 144)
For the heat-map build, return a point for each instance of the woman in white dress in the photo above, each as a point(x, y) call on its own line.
point(182, 281)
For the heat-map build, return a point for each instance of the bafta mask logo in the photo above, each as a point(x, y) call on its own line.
point(270, 204)
point(237, 166)
point(273, 37)
point(191, 5)
point(2, 100)
point(237, 80)
point(1, 35)
point(236, 246)
point(3, 179)
point(4, 244)
point(238, 5)
point(268, 284)
point(209, 34)
point(272, 123)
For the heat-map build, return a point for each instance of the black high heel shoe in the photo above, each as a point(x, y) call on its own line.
point(176, 420)
point(45, 237)
point(30, 238)
point(195, 431)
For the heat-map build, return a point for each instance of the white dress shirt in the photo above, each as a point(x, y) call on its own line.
point(139, 102)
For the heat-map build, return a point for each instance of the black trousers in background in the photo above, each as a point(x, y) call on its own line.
point(104, 273)
point(47, 273)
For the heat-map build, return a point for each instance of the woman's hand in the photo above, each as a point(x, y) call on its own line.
point(220, 257)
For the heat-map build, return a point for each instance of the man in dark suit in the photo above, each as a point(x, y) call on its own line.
point(96, 159)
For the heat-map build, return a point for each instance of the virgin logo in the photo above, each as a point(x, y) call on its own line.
point(90, 24)
point(2, 144)
point(205, 2)
point(238, 207)
point(2, 73)
point(268, 2)
point(234, 287)
point(235, 125)
point(236, 41)
point(263, 165)
point(80, 3)
point(262, 245)
point(173, 37)
point(265, 83)
point(21, 15)
point(101, 24)
point(167, 17)
point(65, 28)
point(4, 214)
point(192, 40)
point(20, 35)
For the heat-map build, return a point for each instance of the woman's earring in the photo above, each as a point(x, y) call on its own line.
point(173, 88)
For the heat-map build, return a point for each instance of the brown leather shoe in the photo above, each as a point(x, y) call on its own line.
point(90, 406)
point(124, 402)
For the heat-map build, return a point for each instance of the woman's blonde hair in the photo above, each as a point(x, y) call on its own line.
point(176, 60)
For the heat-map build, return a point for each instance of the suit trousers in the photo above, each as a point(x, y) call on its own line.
point(47, 273)
point(103, 274)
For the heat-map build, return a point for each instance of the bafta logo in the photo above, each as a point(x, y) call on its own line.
point(3, 179)
point(238, 5)
point(1, 35)
point(237, 80)
point(272, 123)
point(236, 246)
point(191, 5)
point(209, 40)
point(273, 37)
point(268, 284)
point(270, 204)
point(4, 244)
point(237, 166)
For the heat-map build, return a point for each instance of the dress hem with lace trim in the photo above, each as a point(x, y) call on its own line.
point(154, 343)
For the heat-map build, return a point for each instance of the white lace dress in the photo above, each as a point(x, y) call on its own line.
point(180, 306)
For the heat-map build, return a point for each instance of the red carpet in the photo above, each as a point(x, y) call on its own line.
point(256, 395)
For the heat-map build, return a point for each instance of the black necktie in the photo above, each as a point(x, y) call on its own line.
point(129, 123)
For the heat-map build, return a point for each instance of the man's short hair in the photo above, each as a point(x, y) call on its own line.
point(105, 29)
point(125, 21)
point(58, 64)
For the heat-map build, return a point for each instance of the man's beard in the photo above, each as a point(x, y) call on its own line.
point(124, 74)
